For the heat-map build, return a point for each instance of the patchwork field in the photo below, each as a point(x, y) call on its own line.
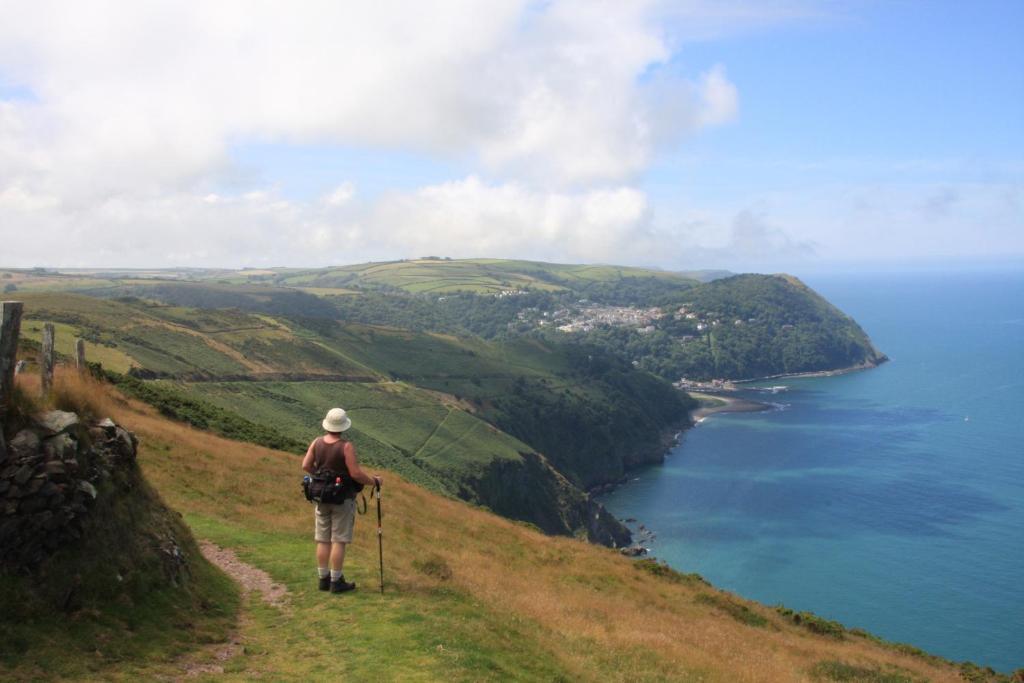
point(185, 341)
point(65, 337)
point(395, 425)
point(478, 276)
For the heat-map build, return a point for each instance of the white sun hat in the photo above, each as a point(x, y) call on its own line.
point(336, 420)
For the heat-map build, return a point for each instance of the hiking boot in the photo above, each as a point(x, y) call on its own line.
point(341, 586)
point(325, 583)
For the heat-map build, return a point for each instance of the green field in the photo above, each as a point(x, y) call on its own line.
point(424, 355)
point(417, 276)
point(65, 337)
point(394, 425)
point(176, 340)
point(477, 276)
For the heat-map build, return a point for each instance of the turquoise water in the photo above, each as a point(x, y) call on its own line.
point(891, 499)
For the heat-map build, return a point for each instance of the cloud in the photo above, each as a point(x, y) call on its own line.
point(754, 239)
point(901, 221)
point(340, 195)
point(137, 96)
point(748, 239)
point(119, 120)
point(120, 136)
point(941, 203)
point(471, 218)
point(468, 217)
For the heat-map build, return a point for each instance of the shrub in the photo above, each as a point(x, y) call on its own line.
point(663, 571)
point(813, 623)
point(902, 648)
point(740, 613)
point(435, 567)
point(202, 415)
point(969, 671)
point(841, 671)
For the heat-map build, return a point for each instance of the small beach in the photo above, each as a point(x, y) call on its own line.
point(716, 403)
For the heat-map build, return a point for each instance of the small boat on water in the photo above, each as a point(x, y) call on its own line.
point(778, 388)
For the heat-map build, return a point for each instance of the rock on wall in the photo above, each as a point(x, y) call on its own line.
point(49, 479)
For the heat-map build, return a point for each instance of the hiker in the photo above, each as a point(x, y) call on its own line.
point(334, 521)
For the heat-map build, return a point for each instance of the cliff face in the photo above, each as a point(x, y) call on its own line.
point(625, 420)
point(533, 491)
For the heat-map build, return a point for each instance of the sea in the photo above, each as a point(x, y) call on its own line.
point(890, 499)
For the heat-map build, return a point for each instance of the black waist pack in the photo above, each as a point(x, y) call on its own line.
point(329, 487)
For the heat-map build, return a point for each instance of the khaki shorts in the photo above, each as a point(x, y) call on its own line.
point(334, 521)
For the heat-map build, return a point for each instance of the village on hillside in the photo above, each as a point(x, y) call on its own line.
point(586, 316)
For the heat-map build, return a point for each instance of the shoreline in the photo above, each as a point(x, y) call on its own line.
point(729, 404)
point(716, 403)
point(724, 404)
point(869, 365)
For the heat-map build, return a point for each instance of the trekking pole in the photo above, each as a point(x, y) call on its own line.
point(380, 536)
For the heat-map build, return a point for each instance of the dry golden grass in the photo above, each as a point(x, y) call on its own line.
point(596, 611)
point(72, 391)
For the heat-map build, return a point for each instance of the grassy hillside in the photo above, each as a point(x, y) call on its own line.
point(469, 597)
point(712, 326)
point(269, 379)
point(477, 276)
point(743, 327)
point(592, 416)
point(170, 340)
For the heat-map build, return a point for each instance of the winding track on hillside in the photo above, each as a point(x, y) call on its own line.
point(432, 433)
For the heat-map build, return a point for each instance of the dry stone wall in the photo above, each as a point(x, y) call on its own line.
point(50, 476)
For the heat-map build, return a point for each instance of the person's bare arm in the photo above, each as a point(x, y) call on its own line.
point(355, 471)
point(307, 460)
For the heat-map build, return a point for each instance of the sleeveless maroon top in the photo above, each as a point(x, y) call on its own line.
point(330, 456)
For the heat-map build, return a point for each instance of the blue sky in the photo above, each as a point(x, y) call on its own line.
point(790, 135)
point(895, 82)
point(869, 91)
point(890, 92)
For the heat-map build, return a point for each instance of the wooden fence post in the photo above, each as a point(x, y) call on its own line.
point(10, 329)
point(80, 355)
point(46, 361)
